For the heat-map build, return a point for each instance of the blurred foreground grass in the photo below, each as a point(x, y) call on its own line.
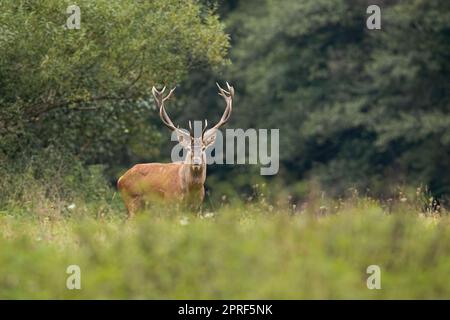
point(248, 251)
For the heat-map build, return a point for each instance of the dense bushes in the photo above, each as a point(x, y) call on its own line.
point(51, 182)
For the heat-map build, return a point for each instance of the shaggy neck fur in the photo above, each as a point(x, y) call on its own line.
point(193, 178)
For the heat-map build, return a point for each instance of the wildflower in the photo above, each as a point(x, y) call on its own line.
point(71, 206)
point(404, 199)
point(209, 215)
point(184, 221)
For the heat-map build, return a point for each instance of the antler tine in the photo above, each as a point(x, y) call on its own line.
point(230, 89)
point(204, 128)
point(228, 96)
point(160, 99)
point(170, 93)
point(158, 94)
point(222, 92)
point(191, 131)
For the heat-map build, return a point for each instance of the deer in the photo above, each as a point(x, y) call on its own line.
point(177, 182)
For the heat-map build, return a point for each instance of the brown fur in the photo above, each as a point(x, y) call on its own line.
point(152, 182)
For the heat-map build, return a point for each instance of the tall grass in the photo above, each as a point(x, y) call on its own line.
point(236, 252)
point(259, 248)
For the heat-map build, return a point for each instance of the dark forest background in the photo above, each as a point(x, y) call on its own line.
point(356, 108)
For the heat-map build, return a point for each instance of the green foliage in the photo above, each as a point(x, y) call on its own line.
point(88, 89)
point(238, 252)
point(354, 106)
point(50, 183)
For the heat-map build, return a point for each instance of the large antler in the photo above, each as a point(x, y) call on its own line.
point(159, 100)
point(228, 96)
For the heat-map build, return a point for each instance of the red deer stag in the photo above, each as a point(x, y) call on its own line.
point(178, 182)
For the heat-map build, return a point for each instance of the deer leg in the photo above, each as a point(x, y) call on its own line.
point(133, 205)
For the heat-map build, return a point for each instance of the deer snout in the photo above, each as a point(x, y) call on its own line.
point(196, 162)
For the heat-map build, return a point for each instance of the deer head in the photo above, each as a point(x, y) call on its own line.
point(195, 146)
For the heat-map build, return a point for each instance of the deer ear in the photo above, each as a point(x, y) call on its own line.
point(184, 138)
point(209, 137)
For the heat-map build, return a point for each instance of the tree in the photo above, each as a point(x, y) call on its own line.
point(88, 90)
point(354, 106)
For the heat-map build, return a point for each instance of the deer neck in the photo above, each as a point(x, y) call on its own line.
point(191, 178)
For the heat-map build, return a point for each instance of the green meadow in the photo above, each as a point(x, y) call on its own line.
point(242, 251)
